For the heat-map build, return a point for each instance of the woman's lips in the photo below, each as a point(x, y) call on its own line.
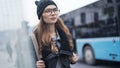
point(53, 18)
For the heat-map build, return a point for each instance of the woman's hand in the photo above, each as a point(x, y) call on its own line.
point(40, 64)
point(74, 58)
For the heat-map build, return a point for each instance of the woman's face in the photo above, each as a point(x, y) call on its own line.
point(50, 14)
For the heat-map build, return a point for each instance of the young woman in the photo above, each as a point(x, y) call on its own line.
point(54, 40)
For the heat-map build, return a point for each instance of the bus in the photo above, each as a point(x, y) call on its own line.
point(99, 40)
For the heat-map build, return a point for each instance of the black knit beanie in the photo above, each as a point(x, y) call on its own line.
point(41, 5)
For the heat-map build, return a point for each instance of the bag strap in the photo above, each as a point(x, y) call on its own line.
point(34, 40)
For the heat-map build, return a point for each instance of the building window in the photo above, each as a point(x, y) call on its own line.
point(83, 18)
point(118, 13)
point(117, 1)
point(96, 16)
point(109, 1)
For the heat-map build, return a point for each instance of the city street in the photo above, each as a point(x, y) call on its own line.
point(6, 62)
point(100, 64)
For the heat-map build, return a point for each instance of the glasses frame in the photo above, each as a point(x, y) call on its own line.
point(50, 11)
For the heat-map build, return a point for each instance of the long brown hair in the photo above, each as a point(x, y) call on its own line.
point(43, 36)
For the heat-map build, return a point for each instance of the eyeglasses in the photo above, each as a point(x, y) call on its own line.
point(49, 11)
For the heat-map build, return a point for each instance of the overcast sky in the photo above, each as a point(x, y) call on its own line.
point(69, 5)
point(64, 6)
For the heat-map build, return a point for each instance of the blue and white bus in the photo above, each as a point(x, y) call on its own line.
point(99, 40)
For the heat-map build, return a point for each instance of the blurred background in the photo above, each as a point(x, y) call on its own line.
point(88, 21)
